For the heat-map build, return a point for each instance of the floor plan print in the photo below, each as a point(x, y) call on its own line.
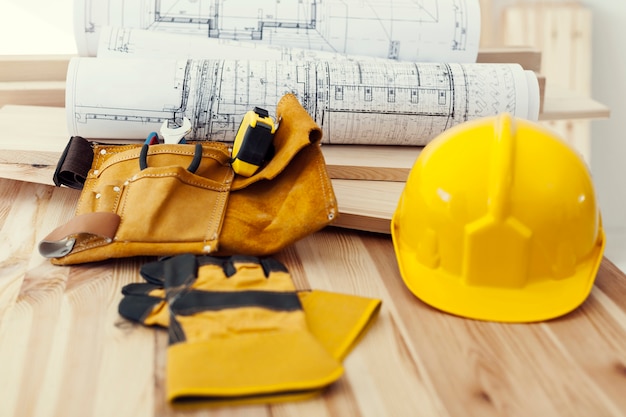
point(368, 102)
point(418, 30)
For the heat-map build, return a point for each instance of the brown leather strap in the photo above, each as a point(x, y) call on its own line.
point(74, 163)
point(61, 240)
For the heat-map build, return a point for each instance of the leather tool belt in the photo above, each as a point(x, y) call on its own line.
point(168, 199)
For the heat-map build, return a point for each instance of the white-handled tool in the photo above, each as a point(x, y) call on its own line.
point(176, 134)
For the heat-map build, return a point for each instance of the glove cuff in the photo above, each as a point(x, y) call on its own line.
point(249, 365)
point(338, 321)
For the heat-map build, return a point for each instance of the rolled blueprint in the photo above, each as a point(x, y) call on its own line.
point(354, 102)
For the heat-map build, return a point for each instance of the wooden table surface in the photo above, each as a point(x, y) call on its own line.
point(65, 351)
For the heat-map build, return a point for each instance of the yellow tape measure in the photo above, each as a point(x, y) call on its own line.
point(253, 142)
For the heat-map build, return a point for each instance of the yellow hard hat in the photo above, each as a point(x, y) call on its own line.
point(499, 221)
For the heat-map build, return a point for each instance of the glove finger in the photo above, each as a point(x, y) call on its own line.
point(180, 272)
point(271, 265)
point(237, 263)
point(153, 272)
point(252, 273)
point(143, 289)
point(277, 275)
point(144, 309)
point(213, 264)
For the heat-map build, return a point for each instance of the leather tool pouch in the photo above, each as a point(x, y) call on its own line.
point(167, 199)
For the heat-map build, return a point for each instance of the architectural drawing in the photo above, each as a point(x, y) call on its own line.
point(117, 42)
point(354, 102)
point(406, 30)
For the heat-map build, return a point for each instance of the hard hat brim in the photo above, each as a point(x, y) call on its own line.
point(537, 301)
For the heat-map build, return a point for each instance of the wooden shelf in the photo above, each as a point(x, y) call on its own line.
point(561, 104)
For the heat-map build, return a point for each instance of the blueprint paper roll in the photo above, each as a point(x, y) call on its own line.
point(369, 102)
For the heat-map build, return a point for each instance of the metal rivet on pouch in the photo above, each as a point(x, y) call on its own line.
point(96, 172)
point(207, 249)
point(98, 195)
point(331, 216)
point(103, 151)
point(116, 189)
point(126, 182)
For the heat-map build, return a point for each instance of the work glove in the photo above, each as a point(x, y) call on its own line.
point(239, 330)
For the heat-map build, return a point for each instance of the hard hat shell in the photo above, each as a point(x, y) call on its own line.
point(499, 221)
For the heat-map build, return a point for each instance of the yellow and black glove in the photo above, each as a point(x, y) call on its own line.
point(239, 330)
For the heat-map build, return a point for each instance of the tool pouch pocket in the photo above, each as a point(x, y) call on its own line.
point(172, 204)
point(168, 199)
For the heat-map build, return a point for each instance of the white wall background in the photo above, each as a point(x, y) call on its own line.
point(608, 146)
point(46, 27)
point(36, 27)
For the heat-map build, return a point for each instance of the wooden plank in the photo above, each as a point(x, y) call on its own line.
point(35, 135)
point(61, 337)
point(580, 40)
point(35, 93)
point(41, 174)
point(599, 312)
point(541, 81)
point(366, 205)
point(563, 32)
point(562, 104)
point(528, 57)
point(41, 146)
point(487, 32)
point(382, 163)
point(33, 67)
